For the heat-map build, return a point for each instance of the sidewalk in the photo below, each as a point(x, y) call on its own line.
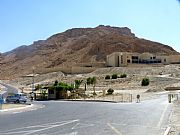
point(175, 119)
point(12, 107)
point(9, 106)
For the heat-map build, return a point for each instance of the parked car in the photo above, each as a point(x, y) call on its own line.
point(16, 98)
point(1, 101)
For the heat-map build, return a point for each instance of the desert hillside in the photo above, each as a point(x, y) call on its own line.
point(78, 45)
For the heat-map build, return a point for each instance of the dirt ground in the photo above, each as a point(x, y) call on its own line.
point(160, 78)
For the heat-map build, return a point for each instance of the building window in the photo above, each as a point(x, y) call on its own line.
point(51, 91)
point(121, 59)
point(135, 57)
point(164, 60)
point(128, 61)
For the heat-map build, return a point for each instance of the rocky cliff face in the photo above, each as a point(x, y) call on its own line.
point(75, 46)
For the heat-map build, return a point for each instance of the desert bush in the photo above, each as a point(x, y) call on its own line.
point(107, 77)
point(114, 76)
point(145, 82)
point(110, 91)
point(123, 76)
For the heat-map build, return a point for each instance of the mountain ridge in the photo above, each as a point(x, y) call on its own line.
point(77, 45)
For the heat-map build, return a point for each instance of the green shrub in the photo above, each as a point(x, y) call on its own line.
point(114, 76)
point(145, 82)
point(123, 76)
point(56, 83)
point(107, 77)
point(78, 83)
point(60, 86)
point(110, 91)
point(89, 80)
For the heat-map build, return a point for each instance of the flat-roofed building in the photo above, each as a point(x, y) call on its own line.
point(118, 59)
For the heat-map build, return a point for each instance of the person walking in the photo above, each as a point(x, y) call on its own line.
point(138, 98)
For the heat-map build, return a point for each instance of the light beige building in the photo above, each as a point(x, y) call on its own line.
point(118, 59)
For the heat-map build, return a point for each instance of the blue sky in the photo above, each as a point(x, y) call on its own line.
point(25, 21)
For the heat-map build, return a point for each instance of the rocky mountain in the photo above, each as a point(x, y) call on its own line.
point(78, 45)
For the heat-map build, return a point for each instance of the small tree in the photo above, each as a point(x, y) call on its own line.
point(93, 82)
point(114, 76)
point(107, 77)
point(88, 80)
point(78, 83)
point(56, 83)
point(145, 82)
point(110, 91)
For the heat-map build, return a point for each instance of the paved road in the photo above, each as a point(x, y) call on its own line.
point(10, 89)
point(84, 118)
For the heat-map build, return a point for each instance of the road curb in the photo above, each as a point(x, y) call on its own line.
point(18, 108)
point(167, 131)
point(91, 101)
point(84, 100)
point(107, 101)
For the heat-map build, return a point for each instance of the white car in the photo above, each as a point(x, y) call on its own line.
point(16, 98)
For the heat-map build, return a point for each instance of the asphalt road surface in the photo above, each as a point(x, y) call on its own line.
point(149, 117)
point(10, 89)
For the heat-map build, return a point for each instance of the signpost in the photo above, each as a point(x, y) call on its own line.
point(173, 91)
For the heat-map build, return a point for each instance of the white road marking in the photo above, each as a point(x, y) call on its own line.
point(75, 126)
point(162, 116)
point(55, 133)
point(114, 129)
point(18, 132)
point(51, 127)
point(79, 125)
point(29, 129)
